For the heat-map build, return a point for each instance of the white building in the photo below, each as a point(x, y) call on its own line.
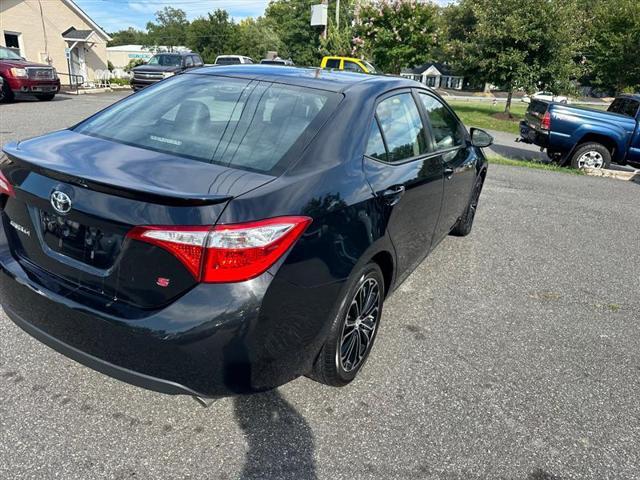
point(435, 75)
point(55, 32)
point(121, 55)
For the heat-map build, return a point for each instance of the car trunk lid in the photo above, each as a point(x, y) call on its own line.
point(109, 188)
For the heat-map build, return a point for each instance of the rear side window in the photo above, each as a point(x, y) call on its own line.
point(375, 144)
point(402, 127)
point(352, 67)
point(624, 106)
point(446, 130)
point(332, 63)
point(233, 122)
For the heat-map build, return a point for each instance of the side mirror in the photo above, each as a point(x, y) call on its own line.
point(480, 138)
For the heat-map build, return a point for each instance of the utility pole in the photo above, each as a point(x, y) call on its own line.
point(326, 25)
point(337, 14)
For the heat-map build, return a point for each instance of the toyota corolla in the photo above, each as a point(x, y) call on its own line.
point(230, 229)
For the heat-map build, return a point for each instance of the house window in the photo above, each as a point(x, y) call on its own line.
point(12, 42)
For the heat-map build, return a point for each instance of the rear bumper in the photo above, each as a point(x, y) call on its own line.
point(217, 340)
point(102, 366)
point(531, 135)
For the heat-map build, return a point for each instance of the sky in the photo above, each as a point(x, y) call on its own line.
point(113, 15)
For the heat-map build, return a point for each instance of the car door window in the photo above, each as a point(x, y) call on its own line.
point(446, 129)
point(332, 63)
point(375, 144)
point(402, 127)
point(188, 62)
point(352, 67)
point(624, 106)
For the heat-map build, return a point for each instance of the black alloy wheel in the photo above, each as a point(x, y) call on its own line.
point(353, 330)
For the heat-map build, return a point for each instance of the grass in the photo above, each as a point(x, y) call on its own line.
point(500, 160)
point(480, 114)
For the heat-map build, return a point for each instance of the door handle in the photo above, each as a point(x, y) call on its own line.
point(448, 172)
point(392, 195)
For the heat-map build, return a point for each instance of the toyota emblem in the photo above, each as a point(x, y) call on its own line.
point(60, 202)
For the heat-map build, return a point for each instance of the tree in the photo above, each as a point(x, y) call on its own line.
point(615, 36)
point(212, 36)
point(130, 36)
point(397, 34)
point(519, 44)
point(170, 28)
point(290, 20)
point(255, 38)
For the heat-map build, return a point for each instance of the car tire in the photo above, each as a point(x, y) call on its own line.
point(592, 154)
point(46, 97)
point(465, 223)
point(344, 352)
point(7, 94)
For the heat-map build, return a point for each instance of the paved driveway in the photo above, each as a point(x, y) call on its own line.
point(511, 354)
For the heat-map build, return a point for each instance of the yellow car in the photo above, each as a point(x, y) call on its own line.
point(348, 63)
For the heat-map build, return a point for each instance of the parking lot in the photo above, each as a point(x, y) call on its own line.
point(513, 353)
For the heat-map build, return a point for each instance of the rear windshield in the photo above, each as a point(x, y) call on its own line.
point(234, 122)
point(166, 60)
point(228, 61)
point(537, 108)
point(625, 106)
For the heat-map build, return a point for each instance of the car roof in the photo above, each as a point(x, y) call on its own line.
point(182, 52)
point(338, 57)
point(332, 80)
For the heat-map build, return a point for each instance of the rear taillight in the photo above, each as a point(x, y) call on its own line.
point(5, 186)
point(545, 123)
point(226, 253)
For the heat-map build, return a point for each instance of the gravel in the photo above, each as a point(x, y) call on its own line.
point(512, 353)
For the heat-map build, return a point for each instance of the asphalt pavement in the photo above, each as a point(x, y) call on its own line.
point(512, 353)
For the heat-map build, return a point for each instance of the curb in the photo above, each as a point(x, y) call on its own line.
point(616, 174)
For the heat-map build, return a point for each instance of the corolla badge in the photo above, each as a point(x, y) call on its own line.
point(60, 202)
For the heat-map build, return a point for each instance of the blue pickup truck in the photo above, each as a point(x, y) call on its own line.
point(585, 137)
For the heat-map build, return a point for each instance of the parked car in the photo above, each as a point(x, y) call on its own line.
point(230, 229)
point(585, 137)
point(20, 76)
point(347, 63)
point(545, 96)
point(233, 60)
point(161, 66)
point(277, 61)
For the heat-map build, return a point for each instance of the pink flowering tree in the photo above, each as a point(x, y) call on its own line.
point(395, 34)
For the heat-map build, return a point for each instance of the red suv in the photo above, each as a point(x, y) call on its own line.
point(20, 76)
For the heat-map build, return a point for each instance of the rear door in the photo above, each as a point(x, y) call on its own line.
point(405, 176)
point(449, 142)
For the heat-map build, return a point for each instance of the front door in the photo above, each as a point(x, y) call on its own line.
point(78, 65)
point(449, 138)
point(406, 177)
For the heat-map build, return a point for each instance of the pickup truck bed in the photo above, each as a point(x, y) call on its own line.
point(566, 131)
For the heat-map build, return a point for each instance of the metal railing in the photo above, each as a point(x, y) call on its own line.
point(74, 80)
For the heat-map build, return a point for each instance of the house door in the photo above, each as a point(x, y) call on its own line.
point(78, 65)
